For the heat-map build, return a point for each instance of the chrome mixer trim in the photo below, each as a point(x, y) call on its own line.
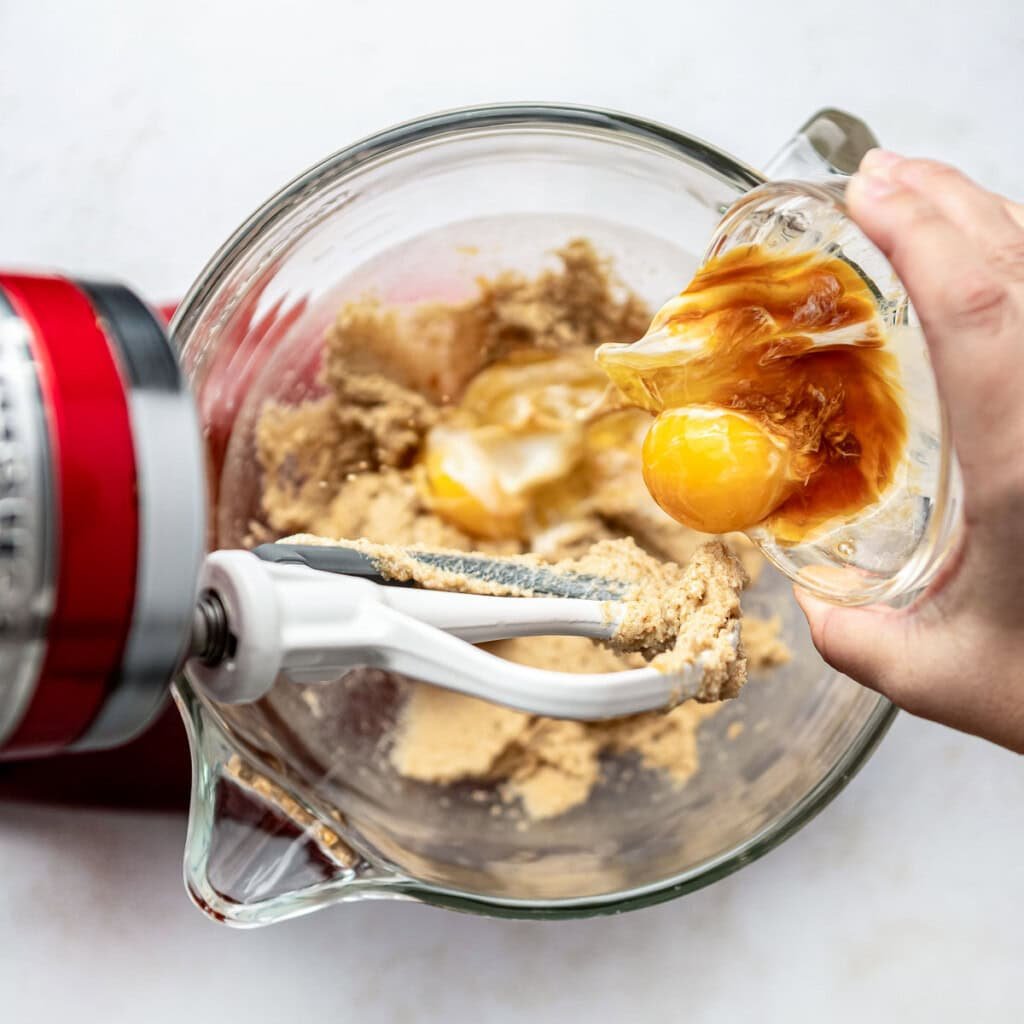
point(28, 527)
point(172, 510)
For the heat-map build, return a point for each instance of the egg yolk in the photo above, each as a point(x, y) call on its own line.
point(504, 462)
point(714, 470)
point(461, 486)
point(778, 401)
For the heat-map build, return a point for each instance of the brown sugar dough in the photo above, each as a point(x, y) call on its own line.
point(676, 614)
point(764, 644)
point(342, 465)
point(576, 305)
point(549, 766)
point(437, 722)
point(498, 744)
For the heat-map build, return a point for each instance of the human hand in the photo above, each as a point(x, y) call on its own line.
point(956, 655)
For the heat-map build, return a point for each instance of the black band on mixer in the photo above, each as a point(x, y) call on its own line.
point(145, 351)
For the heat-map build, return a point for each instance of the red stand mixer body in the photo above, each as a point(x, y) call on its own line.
point(102, 519)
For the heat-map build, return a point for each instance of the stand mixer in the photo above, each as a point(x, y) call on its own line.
point(105, 593)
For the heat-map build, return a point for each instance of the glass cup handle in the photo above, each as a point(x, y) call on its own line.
point(829, 144)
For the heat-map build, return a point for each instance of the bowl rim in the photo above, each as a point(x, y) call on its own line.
point(458, 121)
point(571, 119)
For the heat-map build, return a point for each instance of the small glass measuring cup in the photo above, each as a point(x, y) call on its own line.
point(894, 547)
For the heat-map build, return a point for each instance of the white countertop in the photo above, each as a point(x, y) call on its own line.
point(133, 139)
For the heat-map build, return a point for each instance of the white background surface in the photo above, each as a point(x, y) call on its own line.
point(133, 138)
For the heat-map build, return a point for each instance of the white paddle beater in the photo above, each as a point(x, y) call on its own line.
point(311, 613)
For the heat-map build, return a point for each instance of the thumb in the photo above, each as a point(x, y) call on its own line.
point(967, 303)
point(866, 644)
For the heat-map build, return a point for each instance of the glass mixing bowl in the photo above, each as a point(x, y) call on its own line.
point(291, 809)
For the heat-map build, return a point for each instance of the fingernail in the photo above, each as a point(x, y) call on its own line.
point(874, 179)
point(872, 185)
point(879, 161)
